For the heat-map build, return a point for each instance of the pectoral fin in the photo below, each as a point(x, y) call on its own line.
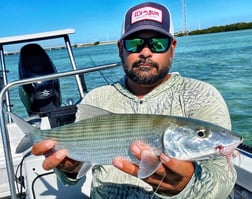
point(149, 163)
point(84, 169)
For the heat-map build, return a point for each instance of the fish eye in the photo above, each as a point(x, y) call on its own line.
point(201, 133)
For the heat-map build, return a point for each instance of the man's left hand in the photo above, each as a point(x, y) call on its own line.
point(171, 177)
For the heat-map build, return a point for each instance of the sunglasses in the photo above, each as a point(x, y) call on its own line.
point(156, 45)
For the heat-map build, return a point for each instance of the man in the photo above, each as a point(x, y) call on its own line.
point(146, 48)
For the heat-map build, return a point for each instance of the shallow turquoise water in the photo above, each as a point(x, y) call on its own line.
point(222, 59)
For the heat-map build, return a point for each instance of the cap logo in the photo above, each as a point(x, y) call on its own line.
point(146, 13)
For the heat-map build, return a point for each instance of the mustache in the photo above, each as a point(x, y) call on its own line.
point(144, 61)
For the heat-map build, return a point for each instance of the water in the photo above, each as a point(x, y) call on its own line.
point(222, 59)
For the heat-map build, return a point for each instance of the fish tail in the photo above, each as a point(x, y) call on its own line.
point(26, 128)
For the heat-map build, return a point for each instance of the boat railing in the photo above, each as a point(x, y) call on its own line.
point(5, 104)
point(3, 122)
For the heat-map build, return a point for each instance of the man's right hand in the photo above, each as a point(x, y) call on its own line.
point(55, 159)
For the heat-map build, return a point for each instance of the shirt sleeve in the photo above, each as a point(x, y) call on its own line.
point(62, 176)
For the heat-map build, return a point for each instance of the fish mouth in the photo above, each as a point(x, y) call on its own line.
point(227, 150)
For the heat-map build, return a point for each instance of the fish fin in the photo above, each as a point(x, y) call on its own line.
point(21, 123)
point(26, 128)
point(84, 169)
point(149, 163)
point(86, 111)
point(24, 144)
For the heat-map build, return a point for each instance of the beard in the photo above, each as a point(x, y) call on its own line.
point(143, 75)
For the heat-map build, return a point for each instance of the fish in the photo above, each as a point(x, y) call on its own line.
point(98, 136)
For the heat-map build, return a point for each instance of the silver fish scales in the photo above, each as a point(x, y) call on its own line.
point(99, 136)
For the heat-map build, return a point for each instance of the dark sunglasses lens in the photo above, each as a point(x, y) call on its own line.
point(156, 45)
point(160, 44)
point(133, 45)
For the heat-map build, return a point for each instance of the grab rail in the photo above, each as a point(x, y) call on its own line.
point(3, 124)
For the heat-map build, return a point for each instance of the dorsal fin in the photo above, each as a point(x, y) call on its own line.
point(86, 111)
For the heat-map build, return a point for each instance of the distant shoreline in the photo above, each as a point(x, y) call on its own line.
point(80, 45)
point(214, 29)
point(93, 44)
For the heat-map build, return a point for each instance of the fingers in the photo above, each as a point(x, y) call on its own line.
point(53, 158)
point(172, 176)
point(125, 166)
point(182, 168)
point(43, 147)
point(138, 147)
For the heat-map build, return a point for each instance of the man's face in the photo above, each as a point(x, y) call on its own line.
point(146, 67)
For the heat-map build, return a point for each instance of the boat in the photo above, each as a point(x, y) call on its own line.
point(22, 175)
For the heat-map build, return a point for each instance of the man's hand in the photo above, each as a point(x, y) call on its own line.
point(171, 177)
point(55, 158)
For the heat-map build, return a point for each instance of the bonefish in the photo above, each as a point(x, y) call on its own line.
point(99, 136)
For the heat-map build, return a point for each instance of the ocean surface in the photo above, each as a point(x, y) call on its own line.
point(222, 59)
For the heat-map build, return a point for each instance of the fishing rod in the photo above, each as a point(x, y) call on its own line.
point(108, 81)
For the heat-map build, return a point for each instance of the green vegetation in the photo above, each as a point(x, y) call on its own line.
point(96, 43)
point(214, 29)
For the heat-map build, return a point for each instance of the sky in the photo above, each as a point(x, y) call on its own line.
point(102, 20)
